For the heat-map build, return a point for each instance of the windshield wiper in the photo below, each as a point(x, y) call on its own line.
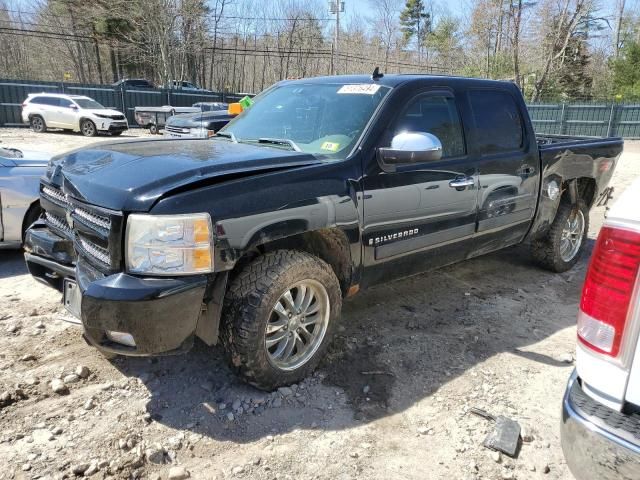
point(281, 141)
point(228, 135)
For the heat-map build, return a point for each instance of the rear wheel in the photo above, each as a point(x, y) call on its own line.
point(561, 248)
point(37, 124)
point(88, 128)
point(153, 129)
point(279, 316)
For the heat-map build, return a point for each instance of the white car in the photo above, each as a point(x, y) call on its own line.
point(601, 408)
point(71, 112)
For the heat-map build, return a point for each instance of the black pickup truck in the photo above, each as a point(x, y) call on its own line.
point(321, 188)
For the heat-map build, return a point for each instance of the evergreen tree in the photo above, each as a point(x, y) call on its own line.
point(626, 72)
point(415, 22)
point(574, 80)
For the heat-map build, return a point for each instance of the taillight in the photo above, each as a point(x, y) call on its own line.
point(608, 288)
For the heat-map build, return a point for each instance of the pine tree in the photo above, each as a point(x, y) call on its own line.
point(415, 22)
point(626, 72)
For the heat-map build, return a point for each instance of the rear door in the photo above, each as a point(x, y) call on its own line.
point(48, 107)
point(507, 163)
point(415, 218)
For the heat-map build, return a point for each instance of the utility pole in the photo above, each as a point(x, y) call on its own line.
point(335, 7)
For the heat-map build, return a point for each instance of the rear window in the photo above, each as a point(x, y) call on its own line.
point(497, 121)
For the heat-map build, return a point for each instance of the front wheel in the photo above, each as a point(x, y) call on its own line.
point(279, 316)
point(88, 128)
point(561, 248)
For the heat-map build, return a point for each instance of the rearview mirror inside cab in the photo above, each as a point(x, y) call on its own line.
point(410, 147)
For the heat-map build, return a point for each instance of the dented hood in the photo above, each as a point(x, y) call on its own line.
point(133, 175)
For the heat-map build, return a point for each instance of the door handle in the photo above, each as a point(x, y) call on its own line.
point(462, 182)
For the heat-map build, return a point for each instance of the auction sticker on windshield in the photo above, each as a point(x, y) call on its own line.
point(362, 89)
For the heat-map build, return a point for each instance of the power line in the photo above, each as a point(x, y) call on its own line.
point(224, 17)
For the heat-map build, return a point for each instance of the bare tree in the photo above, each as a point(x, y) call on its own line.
point(385, 24)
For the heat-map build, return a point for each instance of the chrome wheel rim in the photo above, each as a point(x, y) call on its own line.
point(297, 325)
point(37, 123)
point(572, 234)
point(87, 128)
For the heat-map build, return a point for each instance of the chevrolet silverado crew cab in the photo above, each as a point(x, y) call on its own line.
point(600, 427)
point(321, 188)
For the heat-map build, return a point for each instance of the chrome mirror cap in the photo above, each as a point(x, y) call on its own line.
point(410, 147)
point(416, 142)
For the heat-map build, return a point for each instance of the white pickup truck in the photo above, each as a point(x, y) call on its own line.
point(601, 408)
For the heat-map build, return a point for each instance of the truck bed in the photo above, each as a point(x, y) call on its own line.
point(567, 140)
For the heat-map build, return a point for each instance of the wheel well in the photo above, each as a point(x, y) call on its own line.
point(586, 189)
point(34, 207)
point(329, 244)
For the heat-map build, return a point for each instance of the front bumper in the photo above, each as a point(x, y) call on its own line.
point(598, 443)
point(161, 314)
point(111, 125)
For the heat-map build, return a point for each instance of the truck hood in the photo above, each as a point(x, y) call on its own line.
point(102, 111)
point(133, 175)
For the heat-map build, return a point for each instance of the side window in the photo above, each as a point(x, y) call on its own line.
point(438, 115)
point(36, 101)
point(52, 101)
point(65, 103)
point(497, 121)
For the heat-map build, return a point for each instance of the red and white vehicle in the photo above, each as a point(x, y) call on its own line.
point(601, 407)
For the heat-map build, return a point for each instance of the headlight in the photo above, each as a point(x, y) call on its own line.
point(169, 244)
point(201, 132)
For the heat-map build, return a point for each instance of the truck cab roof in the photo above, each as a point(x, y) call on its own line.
point(395, 80)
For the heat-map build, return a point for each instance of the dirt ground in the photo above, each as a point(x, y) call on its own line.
point(391, 399)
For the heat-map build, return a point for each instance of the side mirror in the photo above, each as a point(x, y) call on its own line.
point(73, 107)
point(410, 147)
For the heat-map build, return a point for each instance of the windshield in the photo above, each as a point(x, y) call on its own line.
point(322, 119)
point(88, 103)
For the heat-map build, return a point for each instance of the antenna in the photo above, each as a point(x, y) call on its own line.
point(376, 75)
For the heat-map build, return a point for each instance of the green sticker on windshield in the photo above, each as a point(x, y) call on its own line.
point(331, 146)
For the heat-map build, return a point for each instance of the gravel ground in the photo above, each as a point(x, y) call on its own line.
point(390, 400)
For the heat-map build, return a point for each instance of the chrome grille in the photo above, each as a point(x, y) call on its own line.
point(95, 251)
point(95, 231)
point(58, 223)
point(92, 218)
point(176, 129)
point(56, 196)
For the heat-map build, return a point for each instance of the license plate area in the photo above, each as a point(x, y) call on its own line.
point(72, 297)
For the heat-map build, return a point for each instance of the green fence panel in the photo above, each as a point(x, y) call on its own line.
point(586, 119)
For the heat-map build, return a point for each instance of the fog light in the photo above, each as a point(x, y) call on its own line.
point(122, 338)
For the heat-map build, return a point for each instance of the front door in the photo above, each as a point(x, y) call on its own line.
point(421, 215)
point(67, 116)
